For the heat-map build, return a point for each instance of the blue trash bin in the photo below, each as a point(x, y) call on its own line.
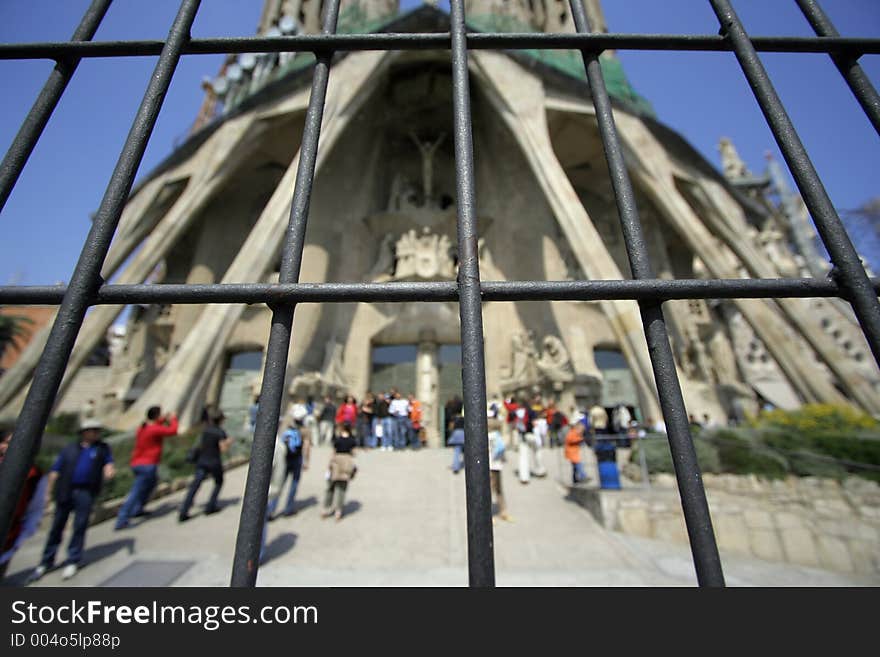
point(606, 457)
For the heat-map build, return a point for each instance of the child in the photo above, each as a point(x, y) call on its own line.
point(340, 471)
point(573, 440)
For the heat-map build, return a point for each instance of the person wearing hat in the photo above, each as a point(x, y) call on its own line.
point(76, 476)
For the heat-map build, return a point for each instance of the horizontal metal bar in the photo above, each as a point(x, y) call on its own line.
point(658, 289)
point(845, 46)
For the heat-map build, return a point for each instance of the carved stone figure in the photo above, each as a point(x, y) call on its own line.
point(732, 163)
point(524, 370)
point(554, 363)
point(404, 195)
point(699, 356)
point(427, 149)
point(425, 256)
point(384, 266)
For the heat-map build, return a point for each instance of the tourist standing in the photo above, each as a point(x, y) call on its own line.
point(496, 464)
point(573, 441)
point(145, 463)
point(77, 476)
point(522, 426)
point(326, 420)
point(341, 470)
point(276, 483)
point(252, 414)
point(347, 412)
point(451, 410)
point(540, 431)
point(297, 440)
point(366, 414)
point(510, 407)
point(456, 439)
point(415, 419)
point(29, 508)
point(382, 425)
point(398, 408)
point(620, 418)
point(213, 442)
point(598, 417)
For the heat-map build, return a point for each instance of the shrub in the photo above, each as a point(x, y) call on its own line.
point(742, 452)
point(63, 424)
point(658, 457)
point(817, 417)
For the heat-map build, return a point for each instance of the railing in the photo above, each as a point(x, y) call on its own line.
point(850, 280)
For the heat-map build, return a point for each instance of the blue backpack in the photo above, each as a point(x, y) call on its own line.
point(293, 439)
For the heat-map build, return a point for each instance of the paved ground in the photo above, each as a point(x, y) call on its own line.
point(404, 526)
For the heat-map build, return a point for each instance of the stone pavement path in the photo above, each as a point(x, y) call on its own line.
point(404, 526)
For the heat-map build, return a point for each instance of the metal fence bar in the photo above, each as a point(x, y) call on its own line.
point(481, 557)
point(848, 268)
point(87, 275)
point(850, 282)
point(844, 46)
point(647, 289)
point(848, 65)
point(32, 127)
point(246, 561)
point(687, 470)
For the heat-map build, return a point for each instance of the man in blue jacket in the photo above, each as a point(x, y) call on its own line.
point(77, 476)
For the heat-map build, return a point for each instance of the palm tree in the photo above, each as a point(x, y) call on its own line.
point(12, 327)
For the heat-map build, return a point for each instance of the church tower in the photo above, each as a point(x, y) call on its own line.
point(384, 209)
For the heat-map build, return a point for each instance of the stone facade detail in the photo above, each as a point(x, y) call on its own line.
point(383, 210)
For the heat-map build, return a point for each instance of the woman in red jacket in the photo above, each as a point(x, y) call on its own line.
point(347, 412)
point(145, 463)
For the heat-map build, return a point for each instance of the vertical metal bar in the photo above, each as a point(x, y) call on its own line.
point(687, 470)
point(246, 561)
point(849, 272)
point(29, 133)
point(87, 276)
point(849, 68)
point(481, 558)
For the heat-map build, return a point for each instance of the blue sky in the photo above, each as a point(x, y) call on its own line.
point(702, 95)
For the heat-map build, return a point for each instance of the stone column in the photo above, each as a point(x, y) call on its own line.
point(427, 386)
point(182, 382)
point(519, 99)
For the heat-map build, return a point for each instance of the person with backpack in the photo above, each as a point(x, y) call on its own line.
point(297, 442)
point(75, 479)
point(213, 442)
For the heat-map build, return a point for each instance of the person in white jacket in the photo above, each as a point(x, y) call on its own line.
point(276, 483)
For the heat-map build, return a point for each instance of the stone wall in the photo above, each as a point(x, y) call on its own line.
point(807, 521)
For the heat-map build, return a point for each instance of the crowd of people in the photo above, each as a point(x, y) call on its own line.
point(383, 421)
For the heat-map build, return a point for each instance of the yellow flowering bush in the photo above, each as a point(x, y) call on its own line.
point(817, 417)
